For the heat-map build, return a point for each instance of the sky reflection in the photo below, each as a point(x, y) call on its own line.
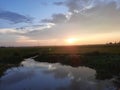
point(32, 75)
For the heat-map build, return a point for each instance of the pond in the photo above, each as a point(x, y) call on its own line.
point(32, 75)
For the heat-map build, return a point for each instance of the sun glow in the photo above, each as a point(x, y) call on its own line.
point(71, 40)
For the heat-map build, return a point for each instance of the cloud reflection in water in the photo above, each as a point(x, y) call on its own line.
point(33, 75)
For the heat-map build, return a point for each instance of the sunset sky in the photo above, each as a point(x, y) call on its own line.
point(59, 22)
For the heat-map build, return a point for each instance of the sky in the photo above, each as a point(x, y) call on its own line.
point(59, 22)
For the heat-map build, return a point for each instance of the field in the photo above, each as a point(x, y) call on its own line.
point(105, 59)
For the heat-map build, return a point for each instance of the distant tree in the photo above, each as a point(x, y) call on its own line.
point(113, 43)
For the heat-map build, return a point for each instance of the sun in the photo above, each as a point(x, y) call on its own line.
point(71, 40)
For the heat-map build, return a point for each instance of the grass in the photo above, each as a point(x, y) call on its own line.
point(105, 59)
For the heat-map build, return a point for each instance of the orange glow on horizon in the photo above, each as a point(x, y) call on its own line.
point(71, 40)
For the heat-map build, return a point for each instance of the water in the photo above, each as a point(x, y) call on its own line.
point(32, 75)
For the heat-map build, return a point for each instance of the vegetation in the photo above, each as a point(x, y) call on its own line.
point(105, 59)
point(106, 65)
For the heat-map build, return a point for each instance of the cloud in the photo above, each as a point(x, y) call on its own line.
point(85, 19)
point(82, 5)
point(95, 20)
point(24, 39)
point(56, 18)
point(97, 15)
point(14, 17)
point(58, 3)
point(10, 31)
point(7, 39)
point(35, 28)
point(28, 41)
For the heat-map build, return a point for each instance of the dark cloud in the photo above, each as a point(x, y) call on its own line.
point(86, 12)
point(82, 5)
point(56, 18)
point(74, 4)
point(58, 3)
point(14, 17)
point(96, 20)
